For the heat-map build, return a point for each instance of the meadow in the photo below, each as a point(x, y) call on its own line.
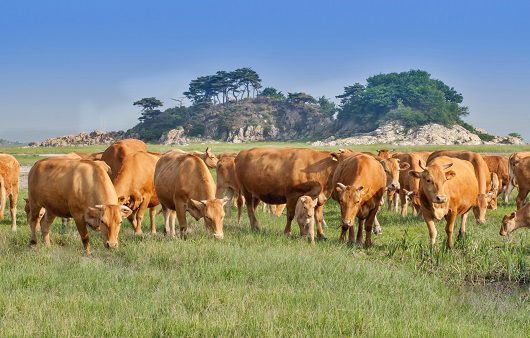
point(265, 283)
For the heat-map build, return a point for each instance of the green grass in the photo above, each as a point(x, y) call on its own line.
point(266, 284)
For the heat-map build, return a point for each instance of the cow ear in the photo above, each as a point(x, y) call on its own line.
point(334, 156)
point(121, 200)
point(197, 208)
point(93, 215)
point(404, 166)
point(415, 174)
point(449, 175)
point(512, 215)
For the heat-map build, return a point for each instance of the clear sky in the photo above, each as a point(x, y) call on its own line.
point(72, 66)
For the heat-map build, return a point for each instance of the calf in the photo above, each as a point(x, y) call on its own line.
point(9, 182)
point(409, 185)
point(359, 183)
point(447, 193)
point(517, 219)
point(305, 216)
point(500, 166)
point(184, 183)
point(74, 188)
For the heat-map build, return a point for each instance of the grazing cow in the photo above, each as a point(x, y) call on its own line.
point(447, 193)
point(226, 181)
point(409, 185)
point(517, 219)
point(9, 181)
point(483, 177)
point(184, 183)
point(135, 187)
point(74, 188)
point(495, 184)
point(360, 183)
point(522, 176)
point(305, 216)
point(500, 166)
point(513, 161)
point(117, 151)
point(282, 175)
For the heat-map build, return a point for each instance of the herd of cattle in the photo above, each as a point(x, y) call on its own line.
point(98, 190)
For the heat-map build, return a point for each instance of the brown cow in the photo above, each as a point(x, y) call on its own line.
point(513, 161)
point(500, 166)
point(360, 183)
point(385, 153)
point(88, 156)
point(522, 176)
point(135, 187)
point(517, 219)
point(409, 185)
point(207, 156)
point(483, 177)
point(226, 181)
point(184, 183)
point(447, 193)
point(74, 188)
point(305, 216)
point(117, 151)
point(9, 181)
point(282, 175)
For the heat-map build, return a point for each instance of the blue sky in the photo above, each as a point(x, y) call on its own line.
point(72, 66)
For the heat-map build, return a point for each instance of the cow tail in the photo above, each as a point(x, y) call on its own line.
point(3, 198)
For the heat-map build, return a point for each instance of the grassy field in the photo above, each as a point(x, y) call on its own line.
point(267, 284)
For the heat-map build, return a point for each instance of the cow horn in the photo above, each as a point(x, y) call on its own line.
point(421, 165)
point(340, 185)
point(445, 166)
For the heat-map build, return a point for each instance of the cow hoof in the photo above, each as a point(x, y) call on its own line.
point(322, 238)
point(32, 243)
point(377, 231)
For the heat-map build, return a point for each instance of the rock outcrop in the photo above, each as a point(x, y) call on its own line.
point(82, 139)
point(174, 136)
point(430, 134)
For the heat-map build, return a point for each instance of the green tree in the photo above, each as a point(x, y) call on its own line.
point(149, 105)
point(272, 93)
point(300, 98)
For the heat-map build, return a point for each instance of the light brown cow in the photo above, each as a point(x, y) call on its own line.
point(305, 216)
point(483, 177)
point(9, 181)
point(135, 187)
point(448, 188)
point(282, 175)
point(184, 183)
point(117, 151)
point(88, 156)
point(74, 188)
point(500, 166)
point(513, 161)
point(360, 183)
point(409, 185)
point(517, 219)
point(385, 153)
point(226, 181)
point(522, 177)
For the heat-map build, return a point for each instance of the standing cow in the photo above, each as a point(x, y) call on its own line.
point(117, 151)
point(360, 183)
point(74, 188)
point(521, 173)
point(226, 181)
point(282, 175)
point(448, 188)
point(184, 183)
point(9, 181)
point(513, 162)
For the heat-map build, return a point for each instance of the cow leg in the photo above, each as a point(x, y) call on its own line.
point(369, 224)
point(34, 217)
point(360, 227)
point(239, 203)
point(291, 209)
point(509, 189)
point(167, 212)
point(404, 204)
point(45, 228)
point(396, 204)
point(180, 207)
point(319, 215)
point(172, 216)
point(230, 195)
point(521, 196)
point(152, 215)
point(13, 205)
point(250, 201)
point(377, 230)
point(3, 199)
point(462, 231)
point(449, 226)
point(344, 229)
point(432, 228)
point(140, 216)
point(83, 232)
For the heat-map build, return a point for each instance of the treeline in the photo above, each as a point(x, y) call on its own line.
point(412, 97)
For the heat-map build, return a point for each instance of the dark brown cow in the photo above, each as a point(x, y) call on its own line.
point(448, 188)
point(282, 175)
point(74, 188)
point(135, 187)
point(117, 151)
point(483, 177)
point(360, 183)
point(9, 182)
point(184, 183)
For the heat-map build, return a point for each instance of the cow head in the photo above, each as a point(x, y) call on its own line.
point(107, 218)
point(213, 213)
point(210, 159)
point(385, 153)
point(432, 181)
point(350, 198)
point(392, 168)
point(491, 196)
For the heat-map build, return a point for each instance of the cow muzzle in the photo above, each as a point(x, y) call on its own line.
point(440, 199)
point(393, 186)
point(111, 245)
point(347, 222)
point(219, 236)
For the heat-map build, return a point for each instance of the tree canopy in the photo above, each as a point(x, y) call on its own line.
point(149, 105)
point(412, 97)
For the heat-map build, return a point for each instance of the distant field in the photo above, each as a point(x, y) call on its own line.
point(266, 284)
